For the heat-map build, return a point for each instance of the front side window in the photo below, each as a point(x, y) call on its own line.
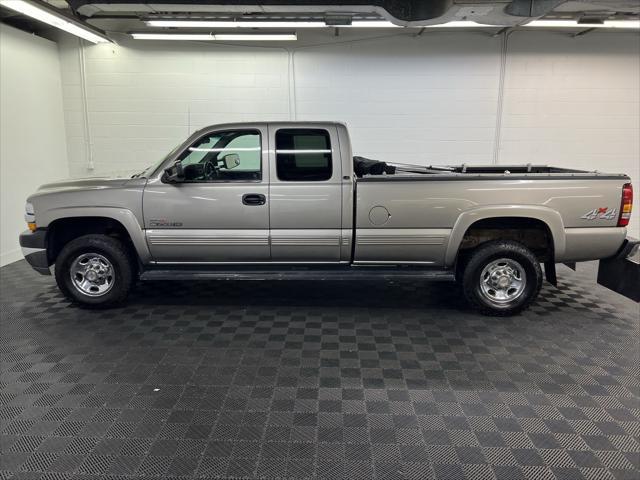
point(224, 156)
point(303, 154)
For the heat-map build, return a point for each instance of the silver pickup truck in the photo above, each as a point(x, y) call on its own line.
point(288, 200)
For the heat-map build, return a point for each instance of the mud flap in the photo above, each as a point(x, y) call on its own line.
point(621, 273)
point(550, 273)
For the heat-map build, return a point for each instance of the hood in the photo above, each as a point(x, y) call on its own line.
point(83, 184)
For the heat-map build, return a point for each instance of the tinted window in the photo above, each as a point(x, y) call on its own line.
point(303, 154)
point(223, 156)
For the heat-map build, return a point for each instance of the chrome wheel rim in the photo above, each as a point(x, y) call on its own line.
point(502, 281)
point(92, 274)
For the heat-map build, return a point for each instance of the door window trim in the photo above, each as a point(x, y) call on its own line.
point(277, 151)
point(216, 132)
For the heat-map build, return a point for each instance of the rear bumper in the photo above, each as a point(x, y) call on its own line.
point(621, 273)
point(34, 249)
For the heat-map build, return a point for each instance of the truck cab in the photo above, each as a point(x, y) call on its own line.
point(263, 192)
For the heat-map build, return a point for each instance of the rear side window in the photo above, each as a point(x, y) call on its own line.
point(303, 154)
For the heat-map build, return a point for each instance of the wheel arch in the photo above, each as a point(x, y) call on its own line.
point(512, 217)
point(67, 224)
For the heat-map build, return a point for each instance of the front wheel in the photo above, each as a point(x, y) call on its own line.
point(95, 271)
point(501, 278)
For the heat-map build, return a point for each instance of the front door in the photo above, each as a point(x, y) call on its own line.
point(220, 213)
point(305, 194)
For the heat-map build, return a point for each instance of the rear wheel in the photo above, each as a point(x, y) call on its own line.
point(95, 271)
point(501, 278)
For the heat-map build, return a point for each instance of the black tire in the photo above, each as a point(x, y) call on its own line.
point(122, 270)
point(498, 256)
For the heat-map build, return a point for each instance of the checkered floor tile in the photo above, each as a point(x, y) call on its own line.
point(317, 380)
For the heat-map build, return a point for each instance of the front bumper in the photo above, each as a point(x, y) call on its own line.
point(621, 273)
point(34, 249)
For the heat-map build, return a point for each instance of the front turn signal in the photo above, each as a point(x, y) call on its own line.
point(32, 226)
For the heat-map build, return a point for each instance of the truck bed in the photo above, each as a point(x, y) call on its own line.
point(408, 213)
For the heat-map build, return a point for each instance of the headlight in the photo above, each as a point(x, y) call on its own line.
point(30, 217)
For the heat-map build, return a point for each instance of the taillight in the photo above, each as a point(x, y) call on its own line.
point(626, 205)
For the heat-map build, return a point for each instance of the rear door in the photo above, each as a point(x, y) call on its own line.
point(305, 193)
point(220, 213)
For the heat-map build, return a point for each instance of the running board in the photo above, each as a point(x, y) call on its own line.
point(351, 273)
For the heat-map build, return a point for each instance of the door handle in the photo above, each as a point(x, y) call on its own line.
point(253, 199)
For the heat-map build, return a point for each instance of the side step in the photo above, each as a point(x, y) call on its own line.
point(349, 273)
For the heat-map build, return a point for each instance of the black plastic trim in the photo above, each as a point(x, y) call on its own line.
point(297, 273)
point(550, 273)
point(620, 273)
point(37, 239)
point(39, 262)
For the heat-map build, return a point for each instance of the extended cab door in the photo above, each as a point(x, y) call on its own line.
point(305, 194)
point(220, 213)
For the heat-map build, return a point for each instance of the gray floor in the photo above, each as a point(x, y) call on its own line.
point(319, 380)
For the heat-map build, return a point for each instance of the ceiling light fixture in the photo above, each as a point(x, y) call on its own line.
point(217, 37)
point(622, 24)
point(42, 12)
point(228, 24)
point(172, 36)
point(286, 37)
point(263, 24)
point(462, 24)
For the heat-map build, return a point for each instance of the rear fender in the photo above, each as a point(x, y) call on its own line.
point(550, 217)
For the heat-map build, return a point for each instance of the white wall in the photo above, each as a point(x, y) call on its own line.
point(573, 101)
point(144, 99)
point(429, 99)
point(32, 132)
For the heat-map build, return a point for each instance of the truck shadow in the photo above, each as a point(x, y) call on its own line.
point(320, 294)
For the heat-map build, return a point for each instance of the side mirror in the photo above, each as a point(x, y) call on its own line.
point(231, 161)
point(174, 174)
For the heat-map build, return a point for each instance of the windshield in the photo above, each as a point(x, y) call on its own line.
point(149, 170)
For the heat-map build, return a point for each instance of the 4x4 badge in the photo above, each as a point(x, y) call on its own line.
point(602, 213)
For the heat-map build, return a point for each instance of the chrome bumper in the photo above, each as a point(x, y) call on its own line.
point(621, 273)
point(34, 249)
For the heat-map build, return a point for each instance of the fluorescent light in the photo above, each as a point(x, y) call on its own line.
point(52, 18)
point(226, 24)
point(623, 24)
point(250, 37)
point(462, 24)
point(172, 36)
point(218, 37)
point(294, 24)
point(265, 24)
point(452, 24)
point(371, 24)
